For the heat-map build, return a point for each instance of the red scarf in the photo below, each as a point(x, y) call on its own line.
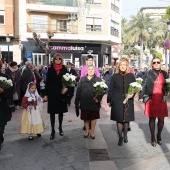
point(57, 68)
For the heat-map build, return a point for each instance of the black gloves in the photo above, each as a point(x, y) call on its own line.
point(77, 110)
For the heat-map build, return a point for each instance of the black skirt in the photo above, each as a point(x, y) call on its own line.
point(89, 115)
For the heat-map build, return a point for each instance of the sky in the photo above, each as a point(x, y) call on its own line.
point(131, 7)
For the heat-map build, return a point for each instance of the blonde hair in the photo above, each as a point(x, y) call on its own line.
point(127, 65)
point(57, 55)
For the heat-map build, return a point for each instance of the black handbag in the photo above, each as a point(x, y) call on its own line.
point(146, 98)
point(11, 106)
point(77, 111)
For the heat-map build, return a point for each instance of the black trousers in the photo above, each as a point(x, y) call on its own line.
point(70, 94)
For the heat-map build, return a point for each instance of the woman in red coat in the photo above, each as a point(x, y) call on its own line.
point(155, 107)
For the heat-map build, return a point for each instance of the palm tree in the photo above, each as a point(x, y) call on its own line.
point(137, 31)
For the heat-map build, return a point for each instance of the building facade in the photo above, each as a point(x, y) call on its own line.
point(6, 27)
point(79, 28)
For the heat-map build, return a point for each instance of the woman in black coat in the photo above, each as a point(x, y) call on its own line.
point(55, 93)
point(5, 114)
point(15, 75)
point(118, 89)
point(85, 100)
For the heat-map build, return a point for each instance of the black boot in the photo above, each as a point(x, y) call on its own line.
point(1, 135)
point(52, 119)
point(120, 142)
point(125, 138)
point(52, 134)
point(159, 141)
point(60, 116)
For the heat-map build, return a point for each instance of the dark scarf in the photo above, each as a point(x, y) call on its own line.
point(57, 68)
point(157, 71)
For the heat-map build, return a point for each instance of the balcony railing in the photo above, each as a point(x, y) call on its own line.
point(114, 32)
point(42, 28)
point(115, 8)
point(69, 3)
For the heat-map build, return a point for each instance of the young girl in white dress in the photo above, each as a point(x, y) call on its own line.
point(32, 122)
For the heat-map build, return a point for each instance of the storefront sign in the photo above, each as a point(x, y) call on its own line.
point(69, 48)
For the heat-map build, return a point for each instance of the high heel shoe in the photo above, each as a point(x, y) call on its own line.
point(52, 135)
point(92, 137)
point(120, 142)
point(86, 136)
point(61, 132)
point(159, 142)
point(125, 138)
point(153, 143)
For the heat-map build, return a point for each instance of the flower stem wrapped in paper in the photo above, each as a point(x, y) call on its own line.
point(31, 102)
point(99, 88)
point(166, 89)
point(133, 88)
point(5, 84)
point(69, 80)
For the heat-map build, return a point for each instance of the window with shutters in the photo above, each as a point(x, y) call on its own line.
point(93, 24)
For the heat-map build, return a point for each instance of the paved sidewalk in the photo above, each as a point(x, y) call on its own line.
point(73, 152)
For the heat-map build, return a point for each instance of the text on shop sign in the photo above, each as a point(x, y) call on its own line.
point(67, 48)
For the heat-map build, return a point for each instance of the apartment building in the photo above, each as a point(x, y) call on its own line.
point(6, 28)
point(79, 28)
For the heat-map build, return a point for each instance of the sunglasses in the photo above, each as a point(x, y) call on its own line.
point(57, 58)
point(158, 62)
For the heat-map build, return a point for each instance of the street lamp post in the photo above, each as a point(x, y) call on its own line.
point(8, 39)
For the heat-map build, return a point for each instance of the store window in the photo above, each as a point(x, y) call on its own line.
point(2, 17)
point(93, 24)
point(39, 22)
point(62, 25)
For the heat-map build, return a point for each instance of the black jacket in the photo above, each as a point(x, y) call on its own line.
point(26, 78)
point(85, 94)
point(148, 83)
point(57, 102)
point(117, 90)
point(5, 114)
point(72, 71)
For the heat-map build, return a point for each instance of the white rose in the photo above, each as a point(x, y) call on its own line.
point(167, 80)
point(10, 82)
point(3, 78)
point(139, 79)
point(30, 99)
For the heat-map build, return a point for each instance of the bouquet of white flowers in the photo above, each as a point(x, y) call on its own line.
point(99, 88)
point(31, 100)
point(133, 88)
point(69, 80)
point(5, 84)
point(139, 80)
point(166, 89)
